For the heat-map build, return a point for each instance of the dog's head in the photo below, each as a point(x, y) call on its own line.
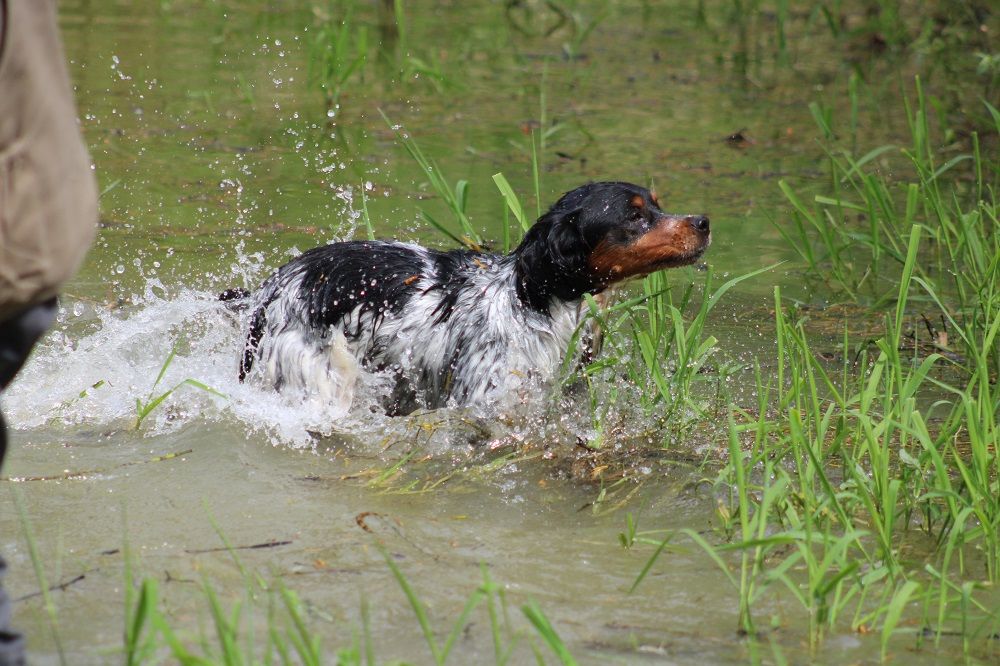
point(604, 233)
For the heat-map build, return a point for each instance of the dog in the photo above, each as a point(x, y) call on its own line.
point(462, 327)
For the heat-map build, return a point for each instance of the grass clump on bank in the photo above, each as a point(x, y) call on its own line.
point(869, 491)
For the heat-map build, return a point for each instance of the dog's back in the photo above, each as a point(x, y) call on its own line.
point(448, 324)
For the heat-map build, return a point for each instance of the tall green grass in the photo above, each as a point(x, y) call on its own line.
point(868, 491)
point(834, 471)
point(854, 237)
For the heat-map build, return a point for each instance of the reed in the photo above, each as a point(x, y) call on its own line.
point(270, 623)
point(832, 472)
point(145, 407)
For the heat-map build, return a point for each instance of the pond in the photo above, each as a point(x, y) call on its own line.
point(228, 137)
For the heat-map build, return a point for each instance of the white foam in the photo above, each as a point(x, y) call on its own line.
point(98, 360)
point(95, 363)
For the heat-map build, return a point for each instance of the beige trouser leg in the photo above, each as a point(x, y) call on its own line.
point(48, 200)
point(48, 195)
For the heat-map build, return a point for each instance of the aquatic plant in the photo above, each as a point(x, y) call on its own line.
point(144, 408)
point(289, 635)
point(338, 51)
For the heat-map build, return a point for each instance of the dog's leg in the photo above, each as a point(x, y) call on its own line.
point(342, 373)
point(403, 399)
point(323, 368)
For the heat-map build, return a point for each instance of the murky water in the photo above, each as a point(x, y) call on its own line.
point(219, 159)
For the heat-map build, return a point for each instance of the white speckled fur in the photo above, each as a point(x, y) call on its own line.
point(492, 342)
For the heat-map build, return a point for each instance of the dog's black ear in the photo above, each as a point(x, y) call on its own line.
point(565, 243)
point(552, 260)
point(554, 242)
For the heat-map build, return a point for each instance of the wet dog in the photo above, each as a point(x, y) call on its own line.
point(461, 327)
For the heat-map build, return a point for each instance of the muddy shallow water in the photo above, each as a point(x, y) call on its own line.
point(219, 159)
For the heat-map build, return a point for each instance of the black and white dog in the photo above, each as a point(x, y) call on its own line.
point(460, 327)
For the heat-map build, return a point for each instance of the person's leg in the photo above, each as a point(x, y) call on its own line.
point(48, 199)
point(19, 334)
point(17, 337)
point(11, 642)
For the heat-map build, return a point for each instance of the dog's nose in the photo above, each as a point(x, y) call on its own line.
point(699, 222)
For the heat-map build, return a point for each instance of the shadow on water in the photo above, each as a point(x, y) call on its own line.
point(229, 137)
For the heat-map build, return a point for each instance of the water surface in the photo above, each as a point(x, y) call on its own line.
point(219, 159)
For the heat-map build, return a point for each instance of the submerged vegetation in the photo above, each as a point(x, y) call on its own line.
point(858, 489)
point(231, 638)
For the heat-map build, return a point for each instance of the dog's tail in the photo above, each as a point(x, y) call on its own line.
point(257, 323)
point(234, 294)
point(238, 298)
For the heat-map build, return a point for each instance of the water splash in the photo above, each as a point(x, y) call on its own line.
point(96, 363)
point(89, 372)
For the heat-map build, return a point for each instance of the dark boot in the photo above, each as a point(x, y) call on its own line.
point(11, 642)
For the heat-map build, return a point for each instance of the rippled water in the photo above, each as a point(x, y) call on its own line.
point(219, 161)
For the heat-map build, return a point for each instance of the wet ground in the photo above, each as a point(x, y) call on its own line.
point(220, 157)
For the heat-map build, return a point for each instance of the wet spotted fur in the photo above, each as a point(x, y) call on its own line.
point(459, 327)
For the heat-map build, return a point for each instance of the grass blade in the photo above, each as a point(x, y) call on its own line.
point(545, 630)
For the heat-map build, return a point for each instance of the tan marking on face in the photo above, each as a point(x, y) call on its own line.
point(410, 280)
point(671, 242)
point(655, 198)
point(638, 201)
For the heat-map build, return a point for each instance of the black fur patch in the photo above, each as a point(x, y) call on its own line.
point(335, 279)
point(234, 294)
